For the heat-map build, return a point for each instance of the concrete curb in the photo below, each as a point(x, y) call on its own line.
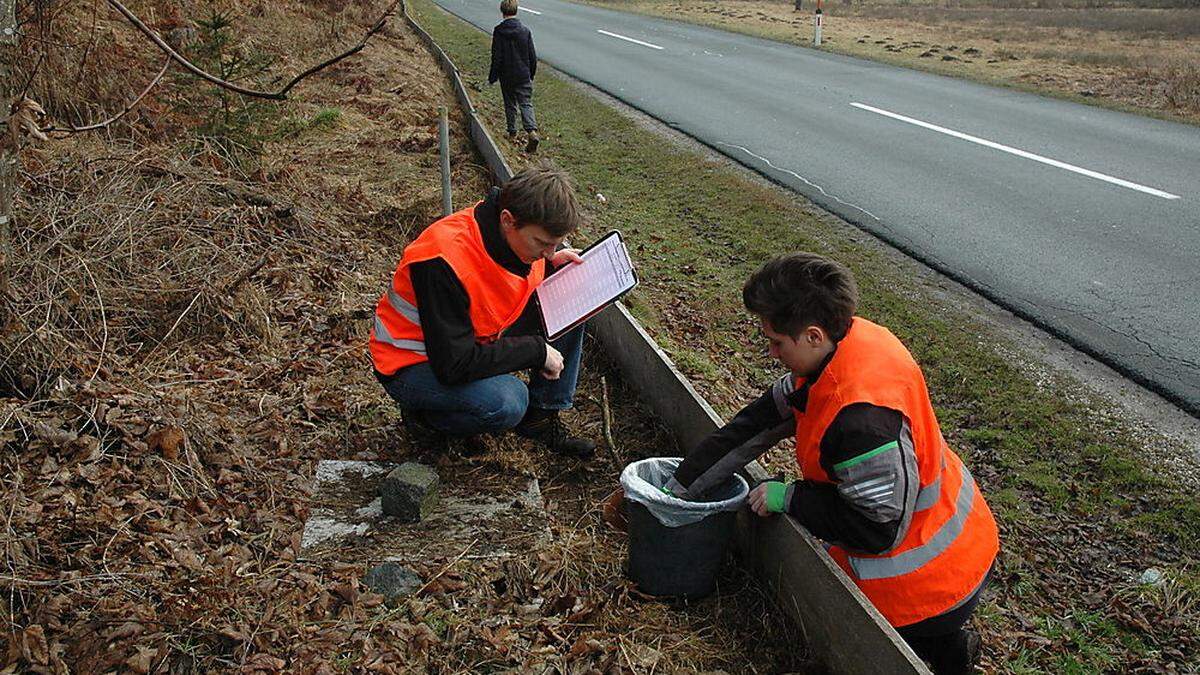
point(841, 626)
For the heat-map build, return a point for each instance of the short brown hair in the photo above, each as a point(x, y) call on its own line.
point(796, 290)
point(542, 194)
point(508, 7)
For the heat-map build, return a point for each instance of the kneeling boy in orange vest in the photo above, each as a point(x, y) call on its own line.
point(903, 517)
point(457, 318)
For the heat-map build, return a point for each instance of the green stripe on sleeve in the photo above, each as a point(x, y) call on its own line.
point(866, 455)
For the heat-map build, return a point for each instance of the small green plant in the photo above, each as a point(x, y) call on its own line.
point(292, 126)
point(231, 122)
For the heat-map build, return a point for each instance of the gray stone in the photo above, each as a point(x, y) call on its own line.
point(1151, 577)
point(392, 580)
point(409, 492)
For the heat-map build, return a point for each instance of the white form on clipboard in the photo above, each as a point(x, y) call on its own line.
point(576, 292)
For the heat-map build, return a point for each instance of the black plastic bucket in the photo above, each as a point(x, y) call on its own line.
point(677, 561)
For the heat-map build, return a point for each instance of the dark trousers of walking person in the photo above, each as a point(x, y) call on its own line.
point(518, 97)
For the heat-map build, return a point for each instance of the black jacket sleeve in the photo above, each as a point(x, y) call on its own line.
point(753, 431)
point(497, 60)
point(454, 355)
point(869, 456)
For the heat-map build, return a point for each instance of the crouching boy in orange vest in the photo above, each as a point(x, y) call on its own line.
point(903, 516)
point(456, 319)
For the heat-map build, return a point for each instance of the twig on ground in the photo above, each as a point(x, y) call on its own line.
point(179, 319)
point(112, 120)
point(607, 421)
point(245, 275)
point(274, 96)
point(103, 320)
point(446, 568)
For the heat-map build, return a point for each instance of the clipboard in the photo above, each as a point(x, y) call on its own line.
point(579, 291)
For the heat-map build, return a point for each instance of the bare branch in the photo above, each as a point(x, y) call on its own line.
point(275, 96)
point(132, 104)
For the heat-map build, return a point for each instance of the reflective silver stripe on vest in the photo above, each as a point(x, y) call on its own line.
point(382, 334)
point(406, 308)
point(928, 495)
point(913, 559)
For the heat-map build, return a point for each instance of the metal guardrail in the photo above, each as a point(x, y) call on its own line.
point(842, 627)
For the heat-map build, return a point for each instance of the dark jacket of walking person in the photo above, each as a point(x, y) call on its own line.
point(514, 59)
point(514, 65)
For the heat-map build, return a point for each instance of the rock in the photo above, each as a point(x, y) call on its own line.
point(392, 580)
point(1151, 577)
point(1087, 92)
point(409, 492)
point(925, 54)
point(947, 57)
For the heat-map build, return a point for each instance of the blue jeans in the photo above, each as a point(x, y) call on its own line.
point(489, 405)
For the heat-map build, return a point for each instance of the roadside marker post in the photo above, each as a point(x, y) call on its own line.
point(817, 25)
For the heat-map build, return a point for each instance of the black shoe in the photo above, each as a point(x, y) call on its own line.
point(425, 437)
point(974, 647)
point(544, 427)
point(534, 140)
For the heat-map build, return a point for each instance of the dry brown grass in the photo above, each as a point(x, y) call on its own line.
point(1119, 54)
point(1166, 23)
point(189, 342)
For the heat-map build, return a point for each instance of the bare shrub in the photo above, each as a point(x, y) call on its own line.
point(115, 256)
point(1182, 84)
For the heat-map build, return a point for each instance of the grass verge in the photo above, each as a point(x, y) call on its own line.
point(1081, 512)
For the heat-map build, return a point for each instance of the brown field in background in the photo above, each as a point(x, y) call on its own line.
point(1139, 56)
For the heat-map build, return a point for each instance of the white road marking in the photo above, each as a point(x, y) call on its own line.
point(628, 39)
point(1020, 153)
point(531, 11)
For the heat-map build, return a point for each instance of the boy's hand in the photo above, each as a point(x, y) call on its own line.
point(553, 366)
point(564, 256)
point(768, 497)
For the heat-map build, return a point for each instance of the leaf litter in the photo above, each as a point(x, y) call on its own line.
point(187, 341)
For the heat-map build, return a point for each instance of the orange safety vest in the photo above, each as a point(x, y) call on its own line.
point(952, 539)
point(497, 297)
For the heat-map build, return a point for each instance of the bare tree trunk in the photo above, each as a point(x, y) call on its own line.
point(8, 150)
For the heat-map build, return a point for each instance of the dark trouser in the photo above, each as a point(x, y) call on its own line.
point(518, 96)
point(489, 405)
point(941, 640)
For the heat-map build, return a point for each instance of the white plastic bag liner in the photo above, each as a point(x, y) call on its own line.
point(643, 481)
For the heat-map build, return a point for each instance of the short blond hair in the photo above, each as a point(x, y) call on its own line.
point(508, 7)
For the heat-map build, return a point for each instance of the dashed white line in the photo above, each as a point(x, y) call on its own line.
point(628, 39)
point(1019, 153)
point(531, 11)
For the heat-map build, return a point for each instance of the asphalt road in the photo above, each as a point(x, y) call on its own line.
point(1083, 220)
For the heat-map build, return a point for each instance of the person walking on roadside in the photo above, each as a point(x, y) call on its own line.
point(457, 317)
point(514, 64)
point(900, 511)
